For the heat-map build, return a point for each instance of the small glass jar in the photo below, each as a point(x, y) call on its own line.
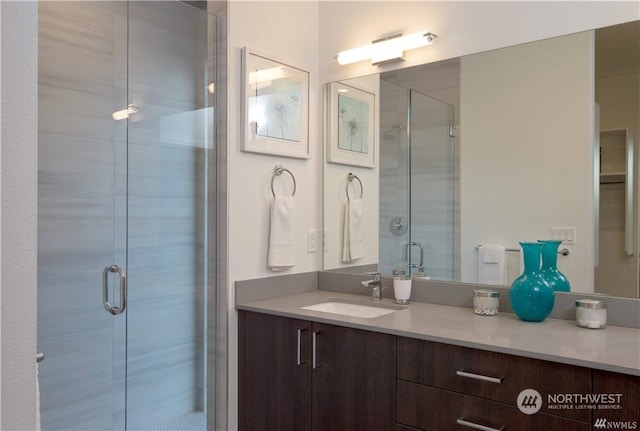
point(591, 313)
point(486, 302)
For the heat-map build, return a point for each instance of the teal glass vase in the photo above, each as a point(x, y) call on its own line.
point(549, 270)
point(531, 296)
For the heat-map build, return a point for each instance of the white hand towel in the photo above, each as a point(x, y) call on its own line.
point(352, 242)
point(281, 241)
point(491, 264)
point(492, 253)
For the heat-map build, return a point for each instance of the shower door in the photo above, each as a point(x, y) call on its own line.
point(125, 133)
point(431, 183)
point(416, 183)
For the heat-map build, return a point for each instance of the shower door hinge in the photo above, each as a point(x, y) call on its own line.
point(453, 131)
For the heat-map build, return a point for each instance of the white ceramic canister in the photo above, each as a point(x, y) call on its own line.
point(591, 313)
point(486, 302)
point(402, 290)
point(401, 286)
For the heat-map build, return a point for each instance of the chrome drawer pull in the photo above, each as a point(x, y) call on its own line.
point(299, 360)
point(477, 426)
point(479, 377)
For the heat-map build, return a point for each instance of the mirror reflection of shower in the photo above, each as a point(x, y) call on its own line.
point(416, 183)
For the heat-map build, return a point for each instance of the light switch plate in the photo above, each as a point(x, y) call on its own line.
point(566, 234)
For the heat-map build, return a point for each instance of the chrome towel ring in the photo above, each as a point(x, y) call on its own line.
point(350, 178)
point(277, 171)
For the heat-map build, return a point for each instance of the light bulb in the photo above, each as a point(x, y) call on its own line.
point(124, 113)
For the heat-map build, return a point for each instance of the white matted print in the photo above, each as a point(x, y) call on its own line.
point(275, 107)
point(350, 126)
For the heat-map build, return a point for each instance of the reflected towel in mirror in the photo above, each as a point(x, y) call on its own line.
point(491, 264)
point(281, 239)
point(352, 243)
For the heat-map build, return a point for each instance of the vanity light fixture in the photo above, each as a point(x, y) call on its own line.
point(387, 50)
point(264, 77)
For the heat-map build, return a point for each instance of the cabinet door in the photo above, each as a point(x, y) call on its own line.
point(274, 373)
point(354, 383)
point(622, 387)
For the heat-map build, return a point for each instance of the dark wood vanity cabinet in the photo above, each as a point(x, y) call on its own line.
point(273, 388)
point(346, 382)
point(306, 376)
point(354, 382)
point(440, 385)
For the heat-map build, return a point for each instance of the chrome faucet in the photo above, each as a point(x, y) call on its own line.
point(376, 284)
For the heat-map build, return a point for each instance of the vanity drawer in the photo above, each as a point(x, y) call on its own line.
point(432, 409)
point(490, 375)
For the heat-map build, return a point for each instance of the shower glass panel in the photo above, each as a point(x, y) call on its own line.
point(431, 183)
point(394, 177)
point(125, 164)
point(416, 183)
point(168, 136)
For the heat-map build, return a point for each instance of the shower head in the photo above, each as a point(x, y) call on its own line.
point(391, 134)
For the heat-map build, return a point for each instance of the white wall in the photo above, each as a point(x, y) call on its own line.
point(526, 150)
point(19, 216)
point(285, 31)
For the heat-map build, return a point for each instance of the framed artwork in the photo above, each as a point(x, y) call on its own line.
point(275, 107)
point(350, 128)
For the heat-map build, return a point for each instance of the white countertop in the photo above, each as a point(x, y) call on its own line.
point(613, 348)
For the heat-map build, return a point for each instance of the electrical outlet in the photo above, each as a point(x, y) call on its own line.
point(566, 234)
point(312, 241)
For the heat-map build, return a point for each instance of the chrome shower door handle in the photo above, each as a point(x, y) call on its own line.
point(421, 247)
point(105, 289)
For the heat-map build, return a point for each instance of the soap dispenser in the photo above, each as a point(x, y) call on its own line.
point(401, 286)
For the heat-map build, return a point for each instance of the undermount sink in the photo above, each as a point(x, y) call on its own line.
point(347, 307)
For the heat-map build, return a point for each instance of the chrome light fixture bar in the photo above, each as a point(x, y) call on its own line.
point(387, 50)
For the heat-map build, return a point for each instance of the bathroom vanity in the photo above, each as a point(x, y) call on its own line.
point(346, 382)
point(426, 367)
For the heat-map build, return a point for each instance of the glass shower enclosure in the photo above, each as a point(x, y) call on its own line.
point(126, 132)
point(416, 183)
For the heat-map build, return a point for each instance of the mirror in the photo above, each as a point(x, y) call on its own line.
point(524, 162)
